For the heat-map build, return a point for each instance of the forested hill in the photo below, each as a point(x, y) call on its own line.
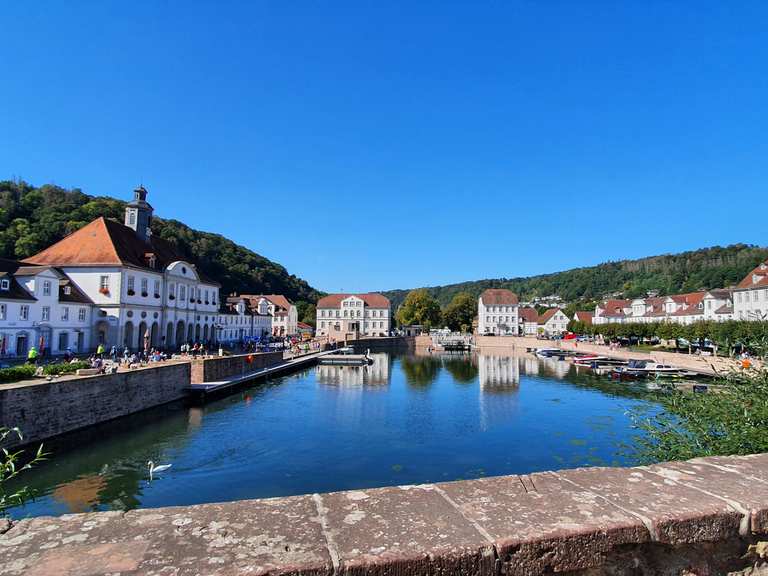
point(32, 218)
point(706, 268)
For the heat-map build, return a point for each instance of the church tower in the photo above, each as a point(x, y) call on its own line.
point(138, 214)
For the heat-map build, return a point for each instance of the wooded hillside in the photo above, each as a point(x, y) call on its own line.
point(32, 218)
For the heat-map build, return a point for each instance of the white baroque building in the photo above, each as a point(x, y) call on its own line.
point(142, 289)
point(553, 322)
point(498, 312)
point(340, 316)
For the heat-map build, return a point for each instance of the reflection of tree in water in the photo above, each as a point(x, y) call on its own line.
point(105, 466)
point(420, 371)
point(463, 370)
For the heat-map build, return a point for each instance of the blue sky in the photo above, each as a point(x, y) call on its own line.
point(381, 145)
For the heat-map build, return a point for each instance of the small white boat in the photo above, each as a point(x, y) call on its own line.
point(549, 352)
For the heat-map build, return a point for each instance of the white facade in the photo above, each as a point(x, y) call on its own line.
point(750, 297)
point(50, 312)
point(354, 314)
point(498, 313)
point(242, 322)
point(553, 324)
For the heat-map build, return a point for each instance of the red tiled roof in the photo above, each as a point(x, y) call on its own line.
point(757, 277)
point(614, 308)
point(372, 300)
point(544, 318)
point(725, 309)
point(584, 316)
point(498, 297)
point(303, 325)
point(277, 299)
point(108, 243)
point(529, 314)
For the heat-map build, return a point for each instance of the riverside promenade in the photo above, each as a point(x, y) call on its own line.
point(703, 364)
point(695, 517)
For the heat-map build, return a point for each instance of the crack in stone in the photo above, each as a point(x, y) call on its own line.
point(644, 519)
point(746, 514)
point(333, 551)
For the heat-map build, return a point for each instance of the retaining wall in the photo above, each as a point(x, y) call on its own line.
point(46, 409)
point(219, 368)
point(696, 517)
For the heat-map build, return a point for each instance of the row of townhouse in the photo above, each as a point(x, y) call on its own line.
point(748, 300)
point(255, 316)
point(499, 313)
point(116, 285)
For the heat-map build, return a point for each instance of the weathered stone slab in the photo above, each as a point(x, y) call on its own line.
point(674, 514)
point(742, 491)
point(754, 465)
point(404, 530)
point(274, 536)
point(540, 524)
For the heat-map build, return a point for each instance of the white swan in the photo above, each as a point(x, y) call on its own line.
point(153, 468)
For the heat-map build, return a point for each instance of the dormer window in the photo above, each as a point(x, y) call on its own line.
point(5, 284)
point(67, 290)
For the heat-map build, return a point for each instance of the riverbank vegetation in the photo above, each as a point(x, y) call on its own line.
point(13, 463)
point(731, 421)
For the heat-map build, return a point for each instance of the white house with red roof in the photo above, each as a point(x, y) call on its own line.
point(553, 322)
point(285, 316)
point(498, 313)
point(529, 320)
point(341, 315)
point(144, 290)
point(240, 319)
point(40, 306)
point(750, 296)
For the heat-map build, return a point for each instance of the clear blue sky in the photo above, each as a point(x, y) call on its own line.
point(380, 145)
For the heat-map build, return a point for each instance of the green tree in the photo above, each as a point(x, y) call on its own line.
point(306, 312)
point(11, 465)
point(419, 308)
point(460, 312)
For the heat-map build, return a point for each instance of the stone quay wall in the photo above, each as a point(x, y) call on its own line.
point(218, 368)
point(683, 518)
point(44, 409)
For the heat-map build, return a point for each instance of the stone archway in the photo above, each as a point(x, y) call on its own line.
point(169, 336)
point(197, 332)
point(180, 333)
point(154, 335)
point(205, 333)
point(128, 335)
point(190, 333)
point(141, 334)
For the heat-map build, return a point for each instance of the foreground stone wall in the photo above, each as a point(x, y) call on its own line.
point(218, 368)
point(695, 517)
point(45, 409)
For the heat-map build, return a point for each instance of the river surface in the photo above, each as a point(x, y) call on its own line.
point(406, 419)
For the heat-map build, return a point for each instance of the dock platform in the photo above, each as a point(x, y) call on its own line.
point(207, 390)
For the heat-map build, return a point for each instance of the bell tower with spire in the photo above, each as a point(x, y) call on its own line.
point(138, 214)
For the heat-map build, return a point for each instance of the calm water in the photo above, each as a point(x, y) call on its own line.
point(406, 419)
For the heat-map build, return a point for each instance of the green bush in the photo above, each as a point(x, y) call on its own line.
point(54, 369)
point(729, 421)
point(16, 373)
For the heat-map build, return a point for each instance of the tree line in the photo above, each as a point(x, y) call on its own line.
point(707, 268)
point(421, 308)
point(727, 335)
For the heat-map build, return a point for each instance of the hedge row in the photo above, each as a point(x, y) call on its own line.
point(27, 371)
point(752, 335)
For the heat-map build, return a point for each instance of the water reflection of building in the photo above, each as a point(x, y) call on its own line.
point(498, 372)
point(376, 373)
point(555, 367)
point(81, 494)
